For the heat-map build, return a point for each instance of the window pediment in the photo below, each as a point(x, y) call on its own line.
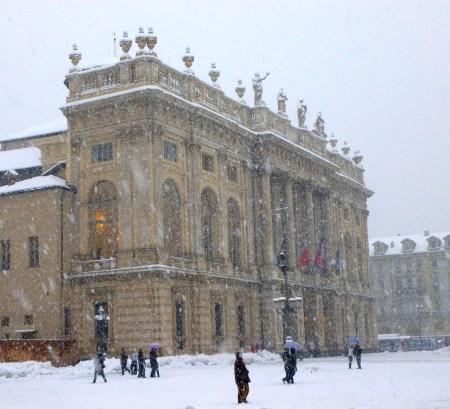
point(408, 245)
point(380, 248)
point(434, 243)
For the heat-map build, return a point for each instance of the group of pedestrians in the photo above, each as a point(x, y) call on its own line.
point(137, 366)
point(354, 351)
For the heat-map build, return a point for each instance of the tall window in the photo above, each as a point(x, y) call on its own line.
point(5, 254)
point(240, 321)
point(4, 321)
point(103, 220)
point(209, 223)
point(33, 251)
point(234, 232)
point(218, 319)
point(207, 162)
point(67, 322)
point(170, 151)
point(179, 324)
point(172, 218)
point(102, 152)
point(359, 257)
point(232, 174)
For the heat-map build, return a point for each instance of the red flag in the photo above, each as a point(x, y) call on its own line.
point(319, 261)
point(303, 260)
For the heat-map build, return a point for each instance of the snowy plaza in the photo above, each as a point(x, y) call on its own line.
point(402, 380)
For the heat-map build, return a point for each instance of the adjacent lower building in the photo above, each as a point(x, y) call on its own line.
point(412, 277)
point(159, 211)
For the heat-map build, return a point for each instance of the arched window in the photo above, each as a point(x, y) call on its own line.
point(172, 218)
point(103, 219)
point(210, 216)
point(234, 233)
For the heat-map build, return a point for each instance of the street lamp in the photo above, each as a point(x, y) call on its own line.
point(285, 304)
point(102, 320)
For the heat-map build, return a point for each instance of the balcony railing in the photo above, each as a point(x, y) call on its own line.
point(94, 265)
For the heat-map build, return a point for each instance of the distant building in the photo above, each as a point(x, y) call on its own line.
point(411, 274)
point(156, 212)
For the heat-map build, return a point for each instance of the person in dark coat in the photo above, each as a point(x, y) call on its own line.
point(99, 365)
point(124, 361)
point(154, 363)
point(141, 364)
point(134, 363)
point(292, 366)
point(286, 364)
point(357, 351)
point(242, 379)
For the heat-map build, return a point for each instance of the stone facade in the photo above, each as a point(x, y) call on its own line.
point(176, 219)
point(412, 278)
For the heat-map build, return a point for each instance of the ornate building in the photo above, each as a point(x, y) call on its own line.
point(174, 201)
point(412, 278)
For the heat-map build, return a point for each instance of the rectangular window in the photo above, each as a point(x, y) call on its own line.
point(207, 162)
point(240, 321)
point(102, 152)
point(67, 324)
point(179, 324)
point(28, 320)
point(6, 336)
point(346, 213)
point(4, 321)
point(5, 254)
point(170, 151)
point(33, 251)
point(218, 319)
point(232, 174)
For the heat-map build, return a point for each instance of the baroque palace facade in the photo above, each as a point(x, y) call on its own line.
point(157, 214)
point(412, 278)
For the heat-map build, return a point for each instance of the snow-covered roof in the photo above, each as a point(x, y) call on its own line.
point(46, 128)
point(394, 243)
point(36, 183)
point(20, 158)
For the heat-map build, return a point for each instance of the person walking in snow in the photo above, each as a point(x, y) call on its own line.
point(292, 366)
point(357, 351)
point(134, 363)
point(154, 363)
point(286, 364)
point(350, 356)
point(241, 378)
point(99, 366)
point(141, 364)
point(124, 361)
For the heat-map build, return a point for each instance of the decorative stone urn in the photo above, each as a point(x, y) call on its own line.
point(125, 45)
point(214, 74)
point(188, 59)
point(357, 157)
point(141, 41)
point(152, 40)
point(240, 91)
point(75, 58)
point(333, 142)
point(345, 149)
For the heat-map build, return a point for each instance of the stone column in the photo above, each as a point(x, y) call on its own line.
point(290, 226)
point(309, 217)
point(222, 206)
point(157, 197)
point(320, 322)
point(247, 217)
point(266, 221)
point(194, 211)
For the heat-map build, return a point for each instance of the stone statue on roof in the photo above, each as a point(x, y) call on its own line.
point(282, 98)
point(301, 113)
point(319, 125)
point(257, 88)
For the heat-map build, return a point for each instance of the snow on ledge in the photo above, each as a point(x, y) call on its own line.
point(36, 183)
point(20, 159)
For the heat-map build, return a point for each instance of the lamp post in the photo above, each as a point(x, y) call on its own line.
point(420, 307)
point(102, 320)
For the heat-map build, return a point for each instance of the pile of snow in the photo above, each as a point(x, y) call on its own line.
point(112, 365)
point(36, 183)
point(20, 158)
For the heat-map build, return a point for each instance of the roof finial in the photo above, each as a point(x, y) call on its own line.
point(188, 59)
point(240, 91)
point(125, 45)
point(152, 40)
point(75, 58)
point(214, 74)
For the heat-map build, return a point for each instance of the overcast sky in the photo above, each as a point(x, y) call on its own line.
point(378, 70)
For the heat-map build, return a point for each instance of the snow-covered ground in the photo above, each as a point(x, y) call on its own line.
point(402, 380)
